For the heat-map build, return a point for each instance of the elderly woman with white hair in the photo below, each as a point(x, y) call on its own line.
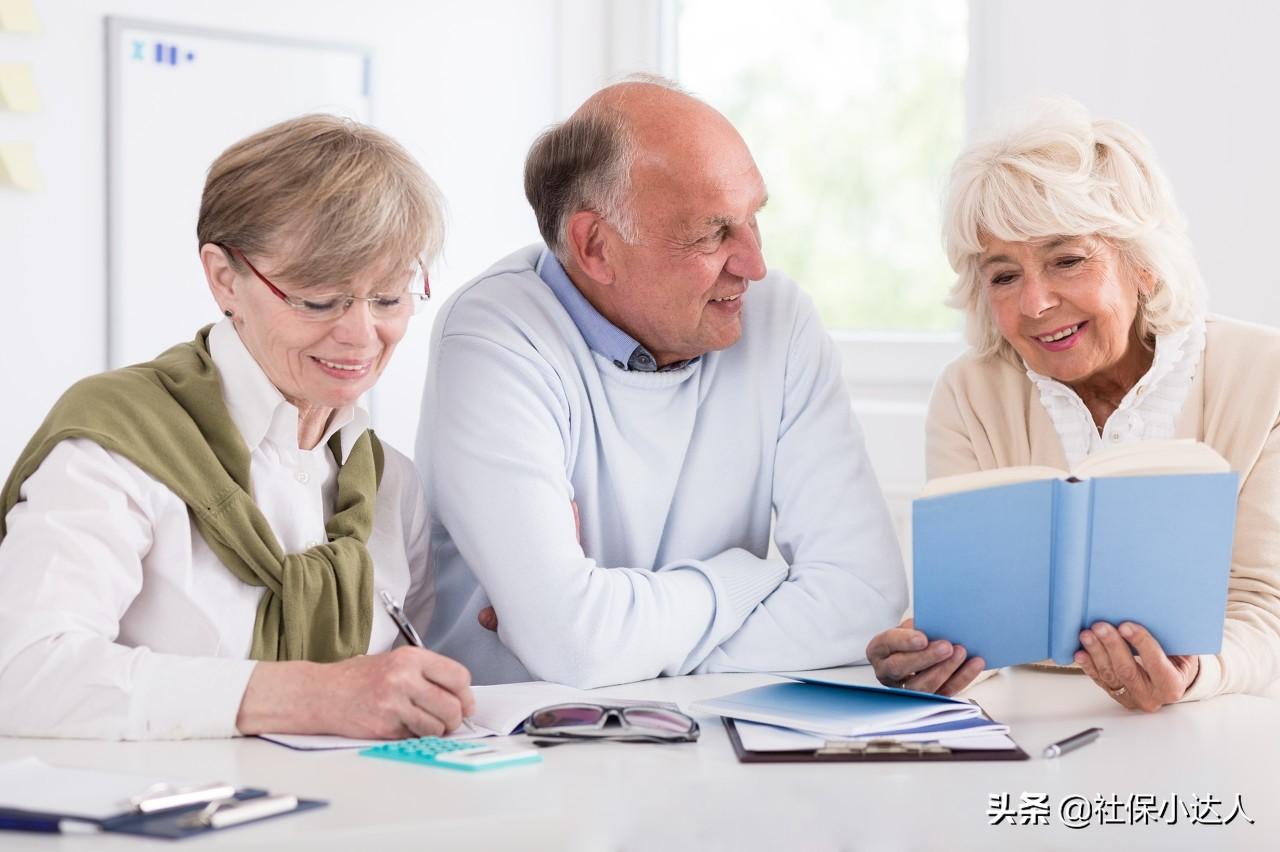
point(192, 547)
point(1087, 330)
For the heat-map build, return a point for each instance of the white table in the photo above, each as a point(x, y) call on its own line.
point(615, 796)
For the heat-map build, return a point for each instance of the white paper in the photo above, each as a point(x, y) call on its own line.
point(29, 784)
point(758, 737)
point(500, 708)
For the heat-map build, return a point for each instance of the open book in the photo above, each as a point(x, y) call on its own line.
point(1013, 563)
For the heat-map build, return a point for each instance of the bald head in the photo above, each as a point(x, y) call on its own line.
point(617, 139)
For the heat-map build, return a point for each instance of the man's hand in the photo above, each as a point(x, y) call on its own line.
point(488, 617)
point(1131, 666)
point(408, 692)
point(904, 657)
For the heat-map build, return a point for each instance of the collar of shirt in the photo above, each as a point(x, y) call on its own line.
point(601, 335)
point(1150, 409)
point(258, 408)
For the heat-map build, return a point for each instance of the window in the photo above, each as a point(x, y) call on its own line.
point(854, 110)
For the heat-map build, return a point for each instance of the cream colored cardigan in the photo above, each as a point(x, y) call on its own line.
point(985, 413)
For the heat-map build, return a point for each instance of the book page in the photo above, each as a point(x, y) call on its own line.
point(1153, 458)
point(988, 479)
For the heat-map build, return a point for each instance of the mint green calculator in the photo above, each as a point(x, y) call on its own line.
point(453, 754)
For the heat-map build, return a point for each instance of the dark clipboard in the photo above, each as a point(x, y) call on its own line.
point(866, 752)
point(167, 824)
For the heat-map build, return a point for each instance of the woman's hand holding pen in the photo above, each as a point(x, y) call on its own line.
point(407, 692)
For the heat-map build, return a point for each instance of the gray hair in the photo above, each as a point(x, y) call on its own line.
point(584, 163)
point(1062, 173)
point(349, 194)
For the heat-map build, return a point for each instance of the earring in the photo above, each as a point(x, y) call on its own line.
point(227, 313)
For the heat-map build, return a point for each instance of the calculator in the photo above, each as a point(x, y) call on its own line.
point(453, 754)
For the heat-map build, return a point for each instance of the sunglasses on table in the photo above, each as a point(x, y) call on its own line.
point(630, 723)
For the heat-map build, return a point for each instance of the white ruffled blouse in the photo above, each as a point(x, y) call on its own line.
point(1148, 412)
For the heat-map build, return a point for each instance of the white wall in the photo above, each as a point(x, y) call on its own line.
point(464, 84)
point(1197, 78)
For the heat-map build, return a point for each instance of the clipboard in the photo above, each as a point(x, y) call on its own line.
point(867, 751)
point(175, 825)
point(170, 823)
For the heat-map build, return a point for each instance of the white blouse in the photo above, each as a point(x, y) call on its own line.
point(116, 619)
point(1148, 412)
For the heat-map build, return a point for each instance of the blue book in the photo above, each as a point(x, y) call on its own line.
point(1014, 563)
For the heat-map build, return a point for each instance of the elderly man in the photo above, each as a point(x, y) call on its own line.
point(612, 423)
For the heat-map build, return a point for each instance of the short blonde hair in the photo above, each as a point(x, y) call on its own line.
point(1064, 174)
point(348, 198)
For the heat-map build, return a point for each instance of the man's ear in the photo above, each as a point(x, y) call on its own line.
point(221, 277)
point(588, 246)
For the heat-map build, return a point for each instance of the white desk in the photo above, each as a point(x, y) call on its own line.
point(616, 796)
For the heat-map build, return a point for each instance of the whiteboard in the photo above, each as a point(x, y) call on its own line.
point(176, 98)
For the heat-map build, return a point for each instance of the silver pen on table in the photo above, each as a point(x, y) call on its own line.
point(397, 615)
point(1072, 742)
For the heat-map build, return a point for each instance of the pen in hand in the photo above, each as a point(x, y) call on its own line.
point(406, 630)
point(1072, 742)
point(397, 615)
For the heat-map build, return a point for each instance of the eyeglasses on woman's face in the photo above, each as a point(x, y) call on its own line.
point(399, 301)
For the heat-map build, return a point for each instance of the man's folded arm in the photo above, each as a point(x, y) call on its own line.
point(498, 443)
point(846, 581)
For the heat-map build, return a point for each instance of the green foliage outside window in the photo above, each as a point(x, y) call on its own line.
point(854, 110)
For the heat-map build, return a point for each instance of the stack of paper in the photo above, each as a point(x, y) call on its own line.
point(807, 712)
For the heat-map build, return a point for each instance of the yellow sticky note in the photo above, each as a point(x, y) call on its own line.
point(18, 166)
point(18, 16)
point(18, 88)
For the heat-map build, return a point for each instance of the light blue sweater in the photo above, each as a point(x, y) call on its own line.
point(677, 477)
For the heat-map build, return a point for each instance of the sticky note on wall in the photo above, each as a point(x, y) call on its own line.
point(18, 166)
point(18, 88)
point(18, 16)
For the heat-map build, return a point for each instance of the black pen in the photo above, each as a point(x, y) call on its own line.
point(397, 615)
point(1072, 742)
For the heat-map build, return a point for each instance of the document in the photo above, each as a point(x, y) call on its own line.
point(1014, 563)
point(30, 784)
point(758, 737)
point(832, 709)
point(500, 710)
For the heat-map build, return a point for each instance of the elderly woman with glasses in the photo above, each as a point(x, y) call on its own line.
point(192, 547)
point(1088, 330)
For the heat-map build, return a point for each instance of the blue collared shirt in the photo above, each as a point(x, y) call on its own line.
point(601, 335)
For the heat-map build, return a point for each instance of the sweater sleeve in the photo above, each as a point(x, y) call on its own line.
point(70, 566)
point(948, 445)
point(1250, 656)
point(496, 466)
point(832, 527)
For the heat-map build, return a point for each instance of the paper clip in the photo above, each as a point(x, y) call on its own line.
point(865, 747)
point(166, 797)
point(227, 812)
